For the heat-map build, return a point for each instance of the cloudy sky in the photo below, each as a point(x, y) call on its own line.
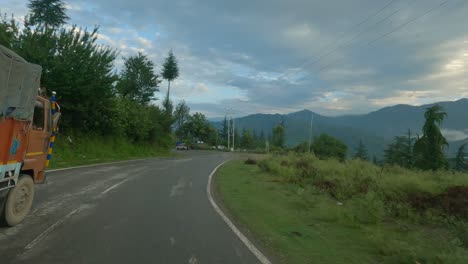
point(277, 56)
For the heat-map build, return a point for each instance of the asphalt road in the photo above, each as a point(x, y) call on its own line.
point(147, 211)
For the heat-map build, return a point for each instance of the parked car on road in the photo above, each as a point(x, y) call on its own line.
point(181, 146)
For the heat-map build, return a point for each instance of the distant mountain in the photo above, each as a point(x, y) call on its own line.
point(375, 129)
point(216, 119)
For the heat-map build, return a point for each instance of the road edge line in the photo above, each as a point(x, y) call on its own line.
point(97, 164)
point(260, 256)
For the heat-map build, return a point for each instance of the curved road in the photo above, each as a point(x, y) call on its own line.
point(146, 211)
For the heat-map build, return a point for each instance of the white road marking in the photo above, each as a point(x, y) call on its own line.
point(178, 189)
point(262, 258)
point(193, 260)
point(94, 165)
point(114, 186)
point(172, 241)
point(48, 230)
point(183, 160)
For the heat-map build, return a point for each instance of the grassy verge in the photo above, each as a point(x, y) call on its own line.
point(310, 211)
point(87, 150)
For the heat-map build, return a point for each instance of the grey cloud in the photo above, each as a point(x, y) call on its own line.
point(244, 45)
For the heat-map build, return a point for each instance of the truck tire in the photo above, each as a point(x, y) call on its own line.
point(19, 201)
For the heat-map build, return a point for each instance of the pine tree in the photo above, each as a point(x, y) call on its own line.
point(47, 13)
point(428, 150)
point(460, 163)
point(361, 152)
point(170, 70)
point(261, 140)
point(278, 135)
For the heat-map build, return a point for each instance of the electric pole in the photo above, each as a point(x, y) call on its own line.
point(310, 134)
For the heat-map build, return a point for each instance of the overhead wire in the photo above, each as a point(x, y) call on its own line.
point(369, 43)
point(343, 36)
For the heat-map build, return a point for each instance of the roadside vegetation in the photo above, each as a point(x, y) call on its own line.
point(312, 205)
point(308, 210)
point(109, 113)
point(85, 150)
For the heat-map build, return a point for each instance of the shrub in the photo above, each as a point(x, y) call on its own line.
point(251, 161)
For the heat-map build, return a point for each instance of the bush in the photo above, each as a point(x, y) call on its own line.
point(401, 192)
point(326, 147)
point(251, 161)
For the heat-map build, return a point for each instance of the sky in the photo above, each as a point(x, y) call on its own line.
point(333, 57)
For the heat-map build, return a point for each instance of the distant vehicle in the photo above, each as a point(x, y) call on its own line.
point(181, 146)
point(221, 147)
point(28, 125)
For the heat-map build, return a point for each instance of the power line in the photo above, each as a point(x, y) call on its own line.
point(343, 35)
point(391, 32)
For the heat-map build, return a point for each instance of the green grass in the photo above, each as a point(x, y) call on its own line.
point(299, 223)
point(85, 150)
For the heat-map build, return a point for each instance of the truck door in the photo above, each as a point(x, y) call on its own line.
point(39, 138)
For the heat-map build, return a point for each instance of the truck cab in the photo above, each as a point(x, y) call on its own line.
point(39, 140)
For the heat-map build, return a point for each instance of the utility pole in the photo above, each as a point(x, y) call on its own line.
point(229, 112)
point(233, 133)
point(229, 134)
point(310, 134)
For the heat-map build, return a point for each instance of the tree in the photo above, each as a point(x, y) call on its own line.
point(361, 152)
point(198, 127)
point(278, 135)
point(170, 70)
point(374, 160)
point(261, 140)
point(326, 146)
point(394, 153)
point(138, 82)
point(400, 152)
point(302, 147)
point(236, 139)
point(428, 149)
point(9, 31)
point(460, 163)
point(247, 140)
point(47, 13)
point(224, 131)
point(181, 116)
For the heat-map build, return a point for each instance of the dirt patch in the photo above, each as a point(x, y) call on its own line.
point(453, 202)
point(328, 186)
point(251, 161)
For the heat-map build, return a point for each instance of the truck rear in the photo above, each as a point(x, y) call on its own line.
point(26, 128)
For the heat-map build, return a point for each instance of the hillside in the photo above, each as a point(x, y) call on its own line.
point(375, 129)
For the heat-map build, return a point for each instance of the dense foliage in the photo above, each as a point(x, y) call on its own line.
point(326, 146)
point(428, 149)
point(93, 98)
point(425, 152)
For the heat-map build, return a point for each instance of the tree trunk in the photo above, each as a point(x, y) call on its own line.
point(168, 88)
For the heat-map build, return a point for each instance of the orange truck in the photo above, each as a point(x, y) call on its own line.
point(28, 125)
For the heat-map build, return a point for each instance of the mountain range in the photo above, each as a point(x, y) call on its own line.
point(376, 129)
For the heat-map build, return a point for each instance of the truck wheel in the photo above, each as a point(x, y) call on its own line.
point(18, 201)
